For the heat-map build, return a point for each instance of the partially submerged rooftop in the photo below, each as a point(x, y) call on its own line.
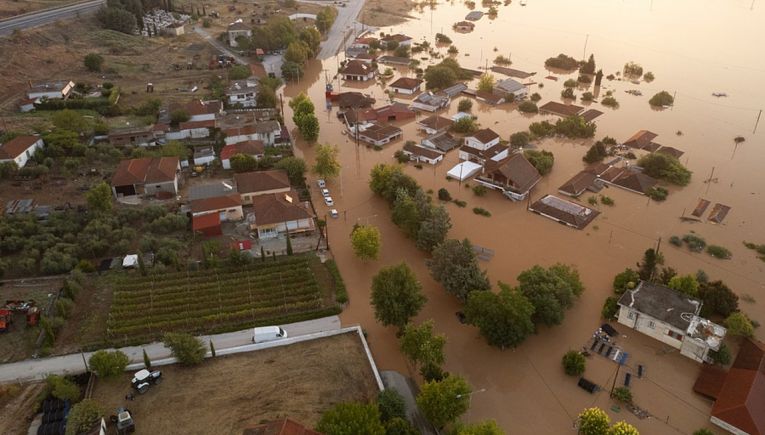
point(566, 212)
point(662, 303)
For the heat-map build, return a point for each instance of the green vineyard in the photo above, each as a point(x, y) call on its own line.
point(218, 300)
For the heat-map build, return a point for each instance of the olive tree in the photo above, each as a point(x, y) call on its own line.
point(396, 295)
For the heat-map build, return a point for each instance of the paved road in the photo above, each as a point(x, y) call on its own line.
point(73, 363)
point(219, 46)
point(343, 28)
point(47, 16)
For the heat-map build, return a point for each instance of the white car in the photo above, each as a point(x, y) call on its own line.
point(321, 184)
point(328, 201)
point(334, 214)
point(325, 192)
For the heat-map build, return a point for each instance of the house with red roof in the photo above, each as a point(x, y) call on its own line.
point(252, 148)
point(356, 70)
point(277, 213)
point(20, 149)
point(147, 176)
point(227, 207)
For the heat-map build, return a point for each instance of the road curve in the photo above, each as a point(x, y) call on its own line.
point(47, 16)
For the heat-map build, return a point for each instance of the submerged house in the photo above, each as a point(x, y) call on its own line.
point(430, 102)
point(356, 70)
point(406, 85)
point(511, 89)
point(483, 146)
point(643, 140)
point(379, 134)
point(514, 176)
point(434, 124)
point(672, 318)
point(419, 153)
point(563, 211)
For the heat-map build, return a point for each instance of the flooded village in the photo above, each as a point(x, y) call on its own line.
point(590, 137)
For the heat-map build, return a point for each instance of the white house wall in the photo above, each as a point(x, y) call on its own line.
point(732, 429)
point(657, 332)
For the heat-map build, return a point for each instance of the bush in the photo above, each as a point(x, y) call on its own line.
point(535, 97)
point(562, 61)
point(341, 294)
point(62, 388)
point(83, 417)
point(481, 211)
point(443, 39)
point(719, 252)
point(108, 364)
point(606, 200)
point(444, 195)
point(694, 242)
point(570, 83)
point(573, 363)
point(480, 190)
point(93, 62)
point(665, 167)
point(568, 93)
point(520, 139)
point(649, 77)
point(542, 129)
point(584, 79)
point(542, 160)
point(596, 153)
point(675, 241)
point(739, 324)
point(186, 348)
point(460, 203)
point(610, 102)
point(623, 394)
point(528, 107)
point(657, 193)
point(465, 126)
point(610, 308)
point(662, 99)
point(633, 69)
point(391, 405)
point(722, 356)
point(575, 127)
point(588, 96)
point(465, 105)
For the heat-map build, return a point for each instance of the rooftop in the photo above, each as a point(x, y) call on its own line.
point(578, 183)
point(249, 147)
point(356, 67)
point(485, 135)
point(418, 150)
point(741, 399)
point(641, 139)
point(571, 213)
point(443, 141)
point(380, 131)
point(277, 208)
point(16, 146)
point(240, 86)
point(662, 303)
point(209, 190)
point(519, 172)
point(261, 181)
point(436, 122)
point(509, 85)
point(145, 170)
point(561, 109)
point(216, 203)
point(406, 83)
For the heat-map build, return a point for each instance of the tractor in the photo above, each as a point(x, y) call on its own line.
point(124, 421)
point(143, 379)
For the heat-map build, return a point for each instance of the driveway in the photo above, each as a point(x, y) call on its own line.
point(220, 46)
point(75, 363)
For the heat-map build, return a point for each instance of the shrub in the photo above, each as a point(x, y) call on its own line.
point(584, 79)
point(480, 190)
point(535, 97)
point(719, 252)
point(587, 96)
point(657, 193)
point(443, 39)
point(188, 349)
point(341, 294)
point(739, 324)
point(542, 160)
point(592, 200)
point(465, 105)
point(610, 308)
point(444, 195)
point(623, 394)
point(575, 127)
point(610, 102)
point(694, 242)
point(481, 211)
point(649, 77)
point(520, 139)
point(459, 203)
point(562, 61)
point(596, 153)
point(108, 364)
point(62, 388)
point(573, 363)
point(662, 99)
point(570, 83)
point(93, 62)
point(453, 50)
point(675, 241)
point(465, 126)
point(528, 107)
point(660, 165)
point(633, 69)
point(391, 405)
point(568, 93)
point(721, 356)
point(542, 129)
point(83, 417)
point(606, 200)
point(502, 60)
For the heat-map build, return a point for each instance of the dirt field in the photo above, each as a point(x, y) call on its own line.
point(228, 394)
point(10, 8)
point(18, 406)
point(18, 342)
point(383, 13)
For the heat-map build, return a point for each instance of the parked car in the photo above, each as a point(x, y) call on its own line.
point(268, 333)
point(328, 200)
point(325, 192)
point(333, 213)
point(321, 184)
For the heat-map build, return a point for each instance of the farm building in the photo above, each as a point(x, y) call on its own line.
point(430, 102)
point(252, 148)
point(406, 85)
point(207, 224)
point(419, 153)
point(515, 176)
point(511, 89)
point(435, 124)
point(565, 212)
point(227, 207)
point(136, 136)
point(20, 149)
point(356, 70)
point(276, 213)
point(379, 134)
point(672, 318)
point(55, 90)
point(560, 109)
point(252, 184)
point(237, 30)
point(146, 176)
point(443, 142)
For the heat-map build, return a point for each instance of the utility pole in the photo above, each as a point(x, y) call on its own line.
point(584, 51)
point(709, 180)
point(757, 122)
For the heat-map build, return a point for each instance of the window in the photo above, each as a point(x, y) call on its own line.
point(674, 335)
point(651, 324)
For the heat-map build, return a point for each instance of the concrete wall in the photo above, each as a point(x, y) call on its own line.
point(227, 214)
point(247, 197)
point(732, 429)
point(650, 327)
point(22, 159)
point(168, 186)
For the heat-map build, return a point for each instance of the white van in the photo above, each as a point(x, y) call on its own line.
point(268, 333)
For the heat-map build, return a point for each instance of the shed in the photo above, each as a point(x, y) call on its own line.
point(464, 170)
point(207, 224)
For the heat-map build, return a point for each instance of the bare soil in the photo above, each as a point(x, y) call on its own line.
point(11, 8)
point(383, 13)
point(18, 406)
point(19, 341)
point(228, 394)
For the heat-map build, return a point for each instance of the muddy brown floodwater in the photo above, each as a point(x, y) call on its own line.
point(693, 50)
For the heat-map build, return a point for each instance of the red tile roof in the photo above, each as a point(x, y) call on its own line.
point(277, 208)
point(741, 400)
point(188, 125)
point(485, 135)
point(261, 181)
point(216, 203)
point(205, 221)
point(249, 147)
point(145, 170)
point(199, 107)
point(16, 146)
point(356, 68)
point(406, 83)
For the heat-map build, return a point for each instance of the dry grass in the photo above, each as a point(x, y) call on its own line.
point(18, 404)
point(384, 13)
point(228, 394)
point(10, 8)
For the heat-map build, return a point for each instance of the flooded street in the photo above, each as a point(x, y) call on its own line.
point(693, 50)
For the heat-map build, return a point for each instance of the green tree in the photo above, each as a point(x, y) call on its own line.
point(647, 268)
point(421, 345)
point(311, 37)
point(439, 77)
point(626, 280)
point(703, 431)
point(239, 72)
point(739, 324)
point(593, 421)
point(665, 167)
point(308, 125)
point(488, 427)
point(400, 426)
point(396, 295)
point(301, 105)
point(573, 363)
point(486, 83)
point(117, 19)
point(99, 198)
point(686, 284)
point(391, 405)
point(596, 153)
point(455, 265)
point(365, 240)
point(83, 417)
point(62, 388)
point(622, 428)
point(610, 308)
point(551, 291)
point(93, 62)
point(520, 139)
point(503, 318)
point(622, 394)
point(178, 116)
point(243, 163)
point(465, 105)
point(589, 66)
point(297, 52)
point(188, 349)
point(542, 160)
point(108, 364)
point(528, 107)
point(434, 228)
point(295, 167)
point(662, 99)
point(266, 98)
point(327, 166)
point(325, 18)
point(351, 419)
point(718, 299)
point(465, 125)
point(405, 213)
point(69, 120)
point(445, 401)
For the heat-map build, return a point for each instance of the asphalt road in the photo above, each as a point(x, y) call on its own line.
point(47, 16)
point(74, 363)
point(344, 27)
